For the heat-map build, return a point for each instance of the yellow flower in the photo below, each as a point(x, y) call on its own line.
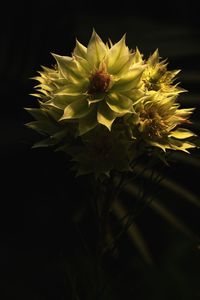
point(107, 86)
point(156, 77)
point(157, 119)
point(95, 86)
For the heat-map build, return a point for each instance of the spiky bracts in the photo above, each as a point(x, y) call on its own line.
point(110, 93)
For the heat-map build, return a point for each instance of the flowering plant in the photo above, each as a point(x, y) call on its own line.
point(106, 104)
point(106, 107)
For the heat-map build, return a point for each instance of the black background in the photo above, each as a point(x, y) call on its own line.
point(37, 186)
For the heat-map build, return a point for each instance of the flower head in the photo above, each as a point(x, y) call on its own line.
point(156, 76)
point(95, 86)
point(156, 121)
point(102, 102)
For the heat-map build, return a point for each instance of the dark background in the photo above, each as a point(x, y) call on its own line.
point(37, 187)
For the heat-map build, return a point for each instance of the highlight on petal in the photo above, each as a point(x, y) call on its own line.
point(96, 50)
point(137, 56)
point(67, 67)
point(105, 83)
point(119, 103)
point(62, 100)
point(105, 115)
point(130, 80)
point(80, 50)
point(154, 58)
point(116, 52)
point(88, 122)
point(181, 133)
point(77, 109)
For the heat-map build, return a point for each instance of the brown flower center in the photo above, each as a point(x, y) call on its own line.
point(99, 82)
point(154, 125)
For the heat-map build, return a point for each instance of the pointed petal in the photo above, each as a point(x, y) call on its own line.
point(67, 67)
point(80, 50)
point(119, 103)
point(77, 109)
point(181, 133)
point(116, 52)
point(88, 122)
point(153, 59)
point(43, 127)
point(137, 56)
point(105, 115)
point(37, 113)
point(83, 65)
point(61, 101)
point(130, 80)
point(96, 50)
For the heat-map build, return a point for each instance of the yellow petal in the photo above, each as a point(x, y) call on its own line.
point(80, 50)
point(105, 115)
point(88, 122)
point(119, 103)
point(181, 133)
point(77, 109)
point(96, 50)
point(116, 52)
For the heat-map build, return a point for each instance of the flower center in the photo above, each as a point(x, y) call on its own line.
point(153, 124)
point(99, 82)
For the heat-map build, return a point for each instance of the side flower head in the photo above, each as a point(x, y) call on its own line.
point(98, 103)
point(157, 122)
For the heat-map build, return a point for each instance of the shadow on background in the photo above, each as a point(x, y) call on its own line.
point(37, 186)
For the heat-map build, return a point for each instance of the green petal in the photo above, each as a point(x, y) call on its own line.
point(179, 145)
point(67, 67)
point(37, 113)
point(105, 115)
point(116, 52)
point(88, 122)
point(77, 109)
point(92, 100)
point(83, 65)
point(61, 101)
point(181, 133)
point(158, 145)
point(153, 59)
point(130, 80)
point(80, 50)
point(96, 50)
point(184, 112)
point(43, 127)
point(124, 65)
point(137, 56)
point(119, 103)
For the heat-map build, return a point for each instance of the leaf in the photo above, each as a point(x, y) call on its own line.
point(133, 231)
point(163, 212)
point(168, 184)
point(172, 219)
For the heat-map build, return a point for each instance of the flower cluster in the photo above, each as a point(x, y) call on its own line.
point(105, 102)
